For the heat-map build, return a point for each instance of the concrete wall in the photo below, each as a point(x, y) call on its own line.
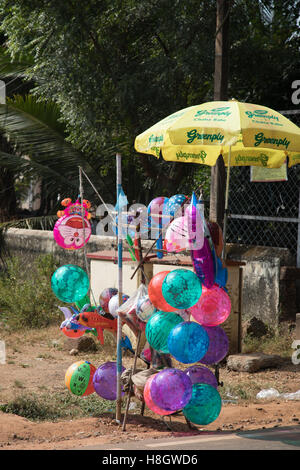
point(264, 295)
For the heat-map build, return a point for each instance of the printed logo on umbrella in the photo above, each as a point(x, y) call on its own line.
point(223, 111)
point(252, 160)
point(261, 113)
point(260, 138)
point(193, 134)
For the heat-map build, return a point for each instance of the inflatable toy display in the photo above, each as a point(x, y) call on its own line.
point(79, 378)
point(70, 283)
point(73, 229)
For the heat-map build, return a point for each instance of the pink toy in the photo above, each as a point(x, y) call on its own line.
point(73, 229)
point(177, 238)
point(213, 307)
point(201, 254)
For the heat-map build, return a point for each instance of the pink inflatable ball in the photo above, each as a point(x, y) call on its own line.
point(213, 307)
point(218, 345)
point(201, 374)
point(171, 389)
point(177, 236)
point(150, 403)
point(156, 209)
point(105, 297)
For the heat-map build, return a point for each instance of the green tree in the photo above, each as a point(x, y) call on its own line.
point(116, 67)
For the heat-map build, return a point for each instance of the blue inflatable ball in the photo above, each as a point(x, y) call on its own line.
point(188, 342)
point(181, 288)
point(70, 283)
point(173, 205)
point(204, 406)
point(158, 328)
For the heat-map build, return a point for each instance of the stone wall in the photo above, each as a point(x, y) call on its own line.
point(267, 294)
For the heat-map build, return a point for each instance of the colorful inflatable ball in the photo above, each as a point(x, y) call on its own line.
point(105, 381)
point(171, 389)
point(70, 283)
point(174, 204)
point(213, 307)
point(155, 292)
point(150, 403)
point(188, 342)
point(177, 235)
point(218, 345)
point(79, 378)
point(158, 328)
point(181, 288)
point(156, 209)
point(204, 406)
point(105, 297)
point(201, 374)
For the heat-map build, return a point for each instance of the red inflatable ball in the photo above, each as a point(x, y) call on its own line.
point(155, 293)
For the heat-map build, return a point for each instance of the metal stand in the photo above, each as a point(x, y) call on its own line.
point(130, 381)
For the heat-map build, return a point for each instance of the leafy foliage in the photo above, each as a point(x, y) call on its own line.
point(114, 68)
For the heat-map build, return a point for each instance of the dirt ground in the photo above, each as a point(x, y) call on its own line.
point(37, 364)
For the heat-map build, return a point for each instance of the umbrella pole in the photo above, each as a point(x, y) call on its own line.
point(120, 289)
point(226, 205)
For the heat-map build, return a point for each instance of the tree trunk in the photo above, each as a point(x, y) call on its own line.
point(218, 174)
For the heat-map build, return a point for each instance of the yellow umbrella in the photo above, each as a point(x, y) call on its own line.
point(245, 134)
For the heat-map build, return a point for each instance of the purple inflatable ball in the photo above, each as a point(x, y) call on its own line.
point(171, 389)
point(201, 374)
point(218, 345)
point(105, 381)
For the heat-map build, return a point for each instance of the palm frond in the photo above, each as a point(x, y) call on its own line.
point(14, 68)
point(33, 129)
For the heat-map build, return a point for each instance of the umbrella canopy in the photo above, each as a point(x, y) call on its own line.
point(244, 134)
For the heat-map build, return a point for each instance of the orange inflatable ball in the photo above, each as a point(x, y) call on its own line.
point(155, 293)
point(79, 378)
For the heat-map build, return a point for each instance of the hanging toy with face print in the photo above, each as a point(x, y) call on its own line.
point(73, 229)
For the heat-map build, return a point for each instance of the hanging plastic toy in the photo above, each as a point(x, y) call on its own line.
point(202, 257)
point(73, 229)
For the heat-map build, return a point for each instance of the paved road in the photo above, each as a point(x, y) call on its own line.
point(270, 439)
